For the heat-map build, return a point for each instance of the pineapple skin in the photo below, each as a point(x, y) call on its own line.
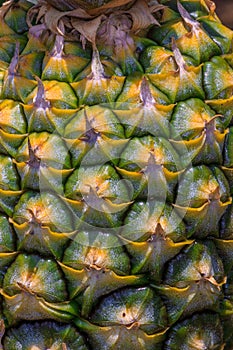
point(116, 176)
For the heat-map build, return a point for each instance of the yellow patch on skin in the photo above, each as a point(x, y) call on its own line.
point(29, 281)
point(96, 258)
point(205, 268)
point(99, 185)
point(164, 223)
point(142, 154)
point(128, 317)
point(158, 155)
point(197, 343)
point(6, 114)
point(208, 189)
point(199, 119)
point(38, 148)
point(145, 152)
point(38, 213)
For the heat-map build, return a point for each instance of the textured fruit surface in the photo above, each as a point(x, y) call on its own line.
point(116, 176)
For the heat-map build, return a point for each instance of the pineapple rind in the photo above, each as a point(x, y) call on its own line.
point(116, 179)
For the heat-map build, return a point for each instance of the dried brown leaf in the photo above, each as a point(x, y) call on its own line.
point(42, 11)
point(211, 6)
point(110, 5)
point(87, 5)
point(141, 16)
point(88, 29)
point(52, 18)
point(156, 8)
point(87, 21)
point(79, 13)
point(5, 7)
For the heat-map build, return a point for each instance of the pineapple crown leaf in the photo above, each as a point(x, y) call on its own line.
point(87, 29)
point(93, 7)
point(90, 24)
point(142, 15)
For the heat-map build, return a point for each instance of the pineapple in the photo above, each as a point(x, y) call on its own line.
point(116, 175)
